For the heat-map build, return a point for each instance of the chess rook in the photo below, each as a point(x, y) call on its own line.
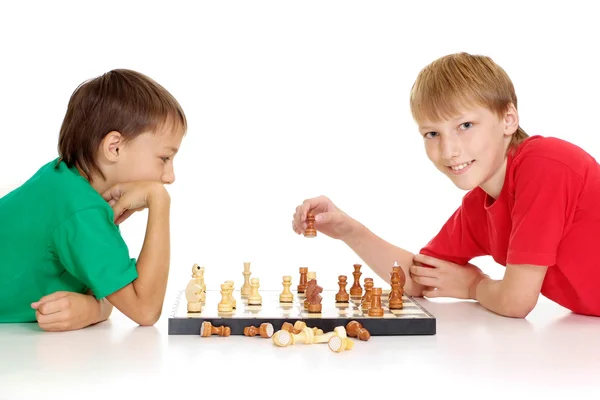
point(376, 310)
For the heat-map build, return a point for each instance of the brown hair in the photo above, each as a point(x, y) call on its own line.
point(463, 79)
point(120, 100)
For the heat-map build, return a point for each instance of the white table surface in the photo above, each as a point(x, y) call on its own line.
point(475, 354)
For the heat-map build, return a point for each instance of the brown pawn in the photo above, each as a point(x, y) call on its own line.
point(375, 310)
point(265, 330)
point(367, 298)
point(207, 330)
point(355, 329)
point(356, 289)
point(310, 230)
point(342, 296)
point(302, 284)
point(313, 296)
point(286, 326)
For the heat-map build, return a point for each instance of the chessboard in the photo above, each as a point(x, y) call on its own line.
point(411, 319)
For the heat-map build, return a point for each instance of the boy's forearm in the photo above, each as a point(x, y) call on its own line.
point(380, 256)
point(489, 294)
point(154, 259)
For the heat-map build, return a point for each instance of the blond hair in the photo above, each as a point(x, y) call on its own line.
point(463, 80)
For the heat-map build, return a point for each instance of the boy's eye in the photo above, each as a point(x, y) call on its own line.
point(466, 125)
point(430, 135)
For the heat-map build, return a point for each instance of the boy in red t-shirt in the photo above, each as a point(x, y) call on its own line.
point(531, 201)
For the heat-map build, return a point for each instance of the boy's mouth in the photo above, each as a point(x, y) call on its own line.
point(460, 168)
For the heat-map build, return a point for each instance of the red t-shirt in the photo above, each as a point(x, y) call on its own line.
point(548, 213)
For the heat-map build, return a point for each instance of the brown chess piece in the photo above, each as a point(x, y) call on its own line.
point(355, 329)
point(398, 273)
point(265, 330)
point(342, 296)
point(356, 289)
point(367, 298)
point(395, 297)
point(313, 296)
point(302, 284)
point(310, 230)
point(207, 330)
point(376, 310)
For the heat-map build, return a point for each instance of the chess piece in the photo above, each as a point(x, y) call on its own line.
point(225, 305)
point(376, 310)
point(265, 330)
point(303, 279)
point(342, 296)
point(284, 338)
point(395, 296)
point(245, 291)
point(399, 273)
point(310, 230)
point(340, 341)
point(310, 275)
point(366, 300)
point(207, 330)
point(231, 298)
point(313, 297)
point(355, 329)
point(254, 299)
point(194, 291)
point(286, 296)
point(356, 289)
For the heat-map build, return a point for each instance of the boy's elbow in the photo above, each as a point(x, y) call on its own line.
point(518, 308)
point(148, 318)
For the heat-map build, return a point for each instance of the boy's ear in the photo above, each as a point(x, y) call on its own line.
point(511, 120)
point(111, 146)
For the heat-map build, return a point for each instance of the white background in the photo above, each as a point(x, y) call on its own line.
point(290, 100)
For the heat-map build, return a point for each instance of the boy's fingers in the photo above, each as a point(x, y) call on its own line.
point(44, 319)
point(425, 281)
point(424, 271)
point(53, 307)
point(423, 259)
point(51, 297)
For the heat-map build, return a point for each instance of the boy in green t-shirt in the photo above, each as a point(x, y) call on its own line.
point(63, 261)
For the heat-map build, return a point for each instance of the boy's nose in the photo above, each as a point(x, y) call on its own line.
point(168, 177)
point(450, 147)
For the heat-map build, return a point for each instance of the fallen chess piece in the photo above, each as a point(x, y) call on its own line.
point(207, 330)
point(265, 330)
point(297, 327)
point(355, 329)
point(340, 342)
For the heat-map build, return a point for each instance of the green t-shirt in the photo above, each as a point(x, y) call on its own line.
point(57, 233)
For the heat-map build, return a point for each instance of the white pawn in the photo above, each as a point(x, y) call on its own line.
point(225, 305)
point(286, 296)
point(254, 299)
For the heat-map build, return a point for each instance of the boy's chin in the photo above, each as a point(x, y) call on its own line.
point(464, 184)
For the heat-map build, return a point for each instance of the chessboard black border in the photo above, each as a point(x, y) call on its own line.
point(376, 326)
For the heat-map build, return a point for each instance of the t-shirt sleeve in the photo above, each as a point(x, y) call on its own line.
point(91, 248)
point(457, 240)
point(545, 197)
